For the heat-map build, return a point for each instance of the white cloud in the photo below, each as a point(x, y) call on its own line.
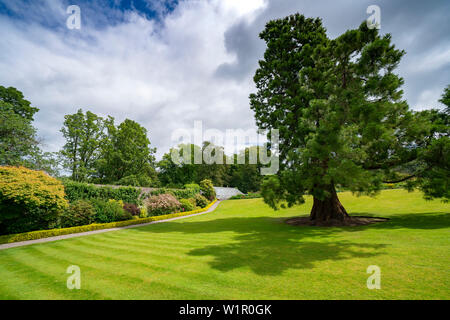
point(431, 60)
point(428, 99)
point(195, 64)
point(161, 77)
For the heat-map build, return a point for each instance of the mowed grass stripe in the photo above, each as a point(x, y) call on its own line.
point(170, 237)
point(48, 282)
point(115, 274)
point(243, 250)
point(128, 261)
point(182, 264)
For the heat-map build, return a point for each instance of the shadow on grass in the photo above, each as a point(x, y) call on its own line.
point(267, 245)
point(428, 220)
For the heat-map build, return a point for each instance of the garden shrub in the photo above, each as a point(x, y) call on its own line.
point(162, 204)
point(132, 209)
point(91, 227)
point(79, 190)
point(177, 193)
point(250, 195)
point(79, 213)
point(157, 192)
point(187, 205)
point(201, 201)
point(193, 202)
point(207, 189)
point(131, 180)
point(136, 181)
point(144, 213)
point(109, 211)
point(193, 186)
point(29, 200)
point(184, 193)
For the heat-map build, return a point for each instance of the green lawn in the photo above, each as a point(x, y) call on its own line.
point(243, 250)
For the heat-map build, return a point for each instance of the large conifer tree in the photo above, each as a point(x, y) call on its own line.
point(338, 106)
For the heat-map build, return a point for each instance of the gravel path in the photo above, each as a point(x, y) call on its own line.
point(74, 235)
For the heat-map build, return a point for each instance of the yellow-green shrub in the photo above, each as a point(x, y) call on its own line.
point(29, 199)
point(208, 191)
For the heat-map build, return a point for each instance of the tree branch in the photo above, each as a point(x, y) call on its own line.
point(400, 180)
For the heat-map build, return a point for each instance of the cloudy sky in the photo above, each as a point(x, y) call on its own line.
point(167, 63)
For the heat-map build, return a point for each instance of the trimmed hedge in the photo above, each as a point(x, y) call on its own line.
point(33, 235)
point(250, 195)
point(177, 193)
point(83, 191)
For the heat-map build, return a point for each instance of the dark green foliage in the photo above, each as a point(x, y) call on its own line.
point(445, 99)
point(109, 211)
point(177, 193)
point(434, 177)
point(339, 110)
point(250, 195)
point(126, 152)
point(244, 176)
point(97, 150)
point(135, 181)
point(131, 180)
point(13, 99)
point(36, 219)
point(183, 193)
point(18, 137)
point(201, 201)
point(79, 213)
point(79, 190)
point(18, 140)
point(207, 189)
point(84, 134)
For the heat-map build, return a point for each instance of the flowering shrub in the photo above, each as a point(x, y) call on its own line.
point(162, 204)
point(58, 232)
point(29, 200)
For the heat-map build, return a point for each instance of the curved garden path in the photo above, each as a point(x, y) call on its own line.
point(74, 235)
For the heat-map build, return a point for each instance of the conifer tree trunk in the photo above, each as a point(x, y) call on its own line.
point(328, 208)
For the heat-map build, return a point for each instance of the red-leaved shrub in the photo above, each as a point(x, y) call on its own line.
point(132, 208)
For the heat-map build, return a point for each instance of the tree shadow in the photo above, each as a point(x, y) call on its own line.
point(425, 221)
point(267, 245)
